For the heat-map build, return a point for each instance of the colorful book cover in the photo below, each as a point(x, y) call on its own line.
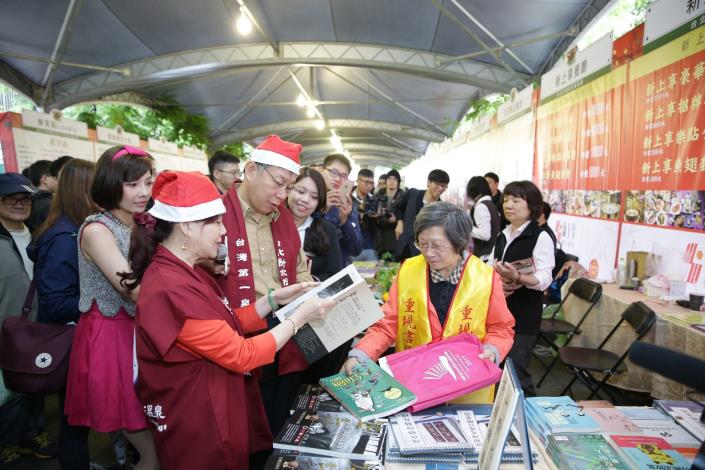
point(369, 392)
point(652, 453)
point(315, 398)
point(288, 459)
point(612, 420)
point(686, 413)
point(560, 415)
point(439, 372)
point(338, 435)
point(584, 452)
point(669, 430)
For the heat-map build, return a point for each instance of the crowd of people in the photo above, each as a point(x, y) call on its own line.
point(172, 278)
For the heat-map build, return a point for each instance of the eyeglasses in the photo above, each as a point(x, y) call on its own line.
point(280, 185)
point(303, 191)
point(443, 186)
point(233, 173)
point(426, 247)
point(336, 174)
point(366, 182)
point(11, 201)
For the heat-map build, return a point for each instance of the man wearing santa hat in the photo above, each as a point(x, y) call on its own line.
point(265, 253)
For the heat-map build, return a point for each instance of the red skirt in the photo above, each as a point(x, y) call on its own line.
point(99, 390)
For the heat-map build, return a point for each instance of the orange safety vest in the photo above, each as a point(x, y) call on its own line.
point(467, 312)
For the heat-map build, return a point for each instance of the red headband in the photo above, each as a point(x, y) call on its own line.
point(130, 150)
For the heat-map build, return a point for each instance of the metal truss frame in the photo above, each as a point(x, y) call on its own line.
point(333, 124)
point(200, 62)
point(315, 151)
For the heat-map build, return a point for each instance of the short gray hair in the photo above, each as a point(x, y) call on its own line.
point(455, 222)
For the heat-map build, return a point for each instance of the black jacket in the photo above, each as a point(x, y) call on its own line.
point(324, 266)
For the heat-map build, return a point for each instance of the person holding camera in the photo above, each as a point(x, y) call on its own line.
point(387, 221)
point(409, 207)
point(368, 209)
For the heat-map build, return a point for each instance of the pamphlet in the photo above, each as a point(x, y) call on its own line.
point(356, 309)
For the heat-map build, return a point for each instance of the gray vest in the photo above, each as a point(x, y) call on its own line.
point(95, 287)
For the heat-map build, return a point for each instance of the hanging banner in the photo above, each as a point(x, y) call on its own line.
point(666, 143)
point(668, 19)
point(32, 146)
point(519, 103)
point(578, 136)
point(54, 123)
point(117, 136)
point(577, 68)
point(594, 242)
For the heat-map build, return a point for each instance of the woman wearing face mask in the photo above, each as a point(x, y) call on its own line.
point(319, 238)
point(524, 239)
point(203, 404)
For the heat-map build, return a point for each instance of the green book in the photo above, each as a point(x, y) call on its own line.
point(369, 392)
point(584, 452)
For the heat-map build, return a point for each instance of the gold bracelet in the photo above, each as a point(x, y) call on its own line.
point(294, 325)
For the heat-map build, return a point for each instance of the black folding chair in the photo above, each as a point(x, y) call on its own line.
point(582, 361)
point(590, 292)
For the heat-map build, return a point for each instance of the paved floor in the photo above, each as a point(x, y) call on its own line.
point(102, 451)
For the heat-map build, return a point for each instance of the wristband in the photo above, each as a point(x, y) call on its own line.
point(270, 297)
point(294, 325)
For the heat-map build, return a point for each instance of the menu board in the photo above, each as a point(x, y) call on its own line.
point(666, 144)
point(578, 136)
point(31, 146)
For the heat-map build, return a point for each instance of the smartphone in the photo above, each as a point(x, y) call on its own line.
point(346, 187)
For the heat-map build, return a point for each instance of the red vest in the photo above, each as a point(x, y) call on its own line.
point(201, 415)
point(239, 284)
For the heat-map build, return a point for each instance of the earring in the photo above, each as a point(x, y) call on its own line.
point(184, 247)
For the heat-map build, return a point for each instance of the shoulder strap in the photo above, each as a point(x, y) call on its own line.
point(27, 306)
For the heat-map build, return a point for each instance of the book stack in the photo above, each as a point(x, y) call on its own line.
point(649, 452)
point(653, 422)
point(558, 415)
point(580, 451)
point(445, 435)
point(287, 459)
point(609, 418)
point(686, 413)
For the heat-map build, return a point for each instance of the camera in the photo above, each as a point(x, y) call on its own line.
point(371, 205)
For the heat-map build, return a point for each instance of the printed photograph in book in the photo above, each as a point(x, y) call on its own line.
point(285, 459)
point(369, 392)
point(315, 398)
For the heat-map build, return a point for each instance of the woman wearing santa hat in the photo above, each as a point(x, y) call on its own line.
point(194, 361)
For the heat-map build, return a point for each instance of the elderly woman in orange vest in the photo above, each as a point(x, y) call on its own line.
point(442, 292)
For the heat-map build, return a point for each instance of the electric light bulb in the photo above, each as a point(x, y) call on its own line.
point(301, 100)
point(243, 23)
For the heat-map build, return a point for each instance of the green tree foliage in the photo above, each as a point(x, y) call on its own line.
point(166, 120)
point(484, 107)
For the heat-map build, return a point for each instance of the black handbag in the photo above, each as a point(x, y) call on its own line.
point(34, 357)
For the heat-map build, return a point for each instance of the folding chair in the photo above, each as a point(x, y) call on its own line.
point(582, 361)
point(585, 289)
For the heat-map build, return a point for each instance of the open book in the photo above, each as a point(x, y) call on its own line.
point(356, 310)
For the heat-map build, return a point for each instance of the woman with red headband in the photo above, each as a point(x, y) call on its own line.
point(203, 404)
point(100, 393)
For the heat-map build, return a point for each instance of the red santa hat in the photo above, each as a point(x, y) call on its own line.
point(275, 151)
point(181, 196)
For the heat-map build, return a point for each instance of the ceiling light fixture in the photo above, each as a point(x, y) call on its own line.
point(320, 125)
point(243, 22)
point(311, 111)
point(301, 100)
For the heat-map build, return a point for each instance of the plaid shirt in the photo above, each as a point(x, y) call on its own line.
point(454, 277)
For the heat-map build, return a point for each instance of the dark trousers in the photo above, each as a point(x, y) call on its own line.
point(73, 441)
point(521, 356)
point(278, 392)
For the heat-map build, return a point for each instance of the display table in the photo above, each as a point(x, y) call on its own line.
point(671, 330)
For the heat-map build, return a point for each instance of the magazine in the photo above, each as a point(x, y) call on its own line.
point(439, 372)
point(369, 392)
point(338, 435)
point(288, 459)
point(356, 309)
point(315, 398)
